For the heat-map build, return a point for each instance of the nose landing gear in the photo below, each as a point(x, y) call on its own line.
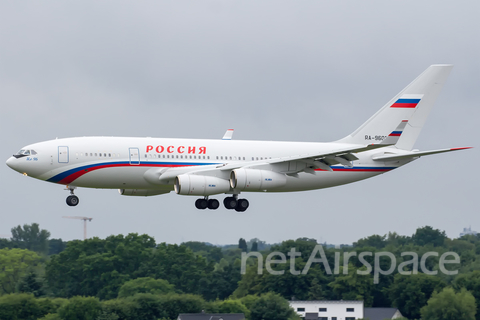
point(72, 199)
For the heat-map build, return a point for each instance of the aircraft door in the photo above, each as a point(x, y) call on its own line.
point(134, 156)
point(62, 154)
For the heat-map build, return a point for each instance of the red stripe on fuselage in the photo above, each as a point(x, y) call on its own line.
point(78, 174)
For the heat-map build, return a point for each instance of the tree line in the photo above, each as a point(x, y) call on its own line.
point(133, 277)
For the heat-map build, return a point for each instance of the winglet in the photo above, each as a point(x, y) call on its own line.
point(393, 137)
point(228, 135)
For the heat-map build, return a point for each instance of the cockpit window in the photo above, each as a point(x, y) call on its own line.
point(24, 153)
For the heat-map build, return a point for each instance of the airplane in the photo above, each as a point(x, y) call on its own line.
point(204, 168)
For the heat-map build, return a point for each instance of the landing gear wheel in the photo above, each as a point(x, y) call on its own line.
point(242, 205)
point(213, 204)
point(201, 204)
point(230, 202)
point(72, 200)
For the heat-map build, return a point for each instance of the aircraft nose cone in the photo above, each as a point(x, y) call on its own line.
point(12, 163)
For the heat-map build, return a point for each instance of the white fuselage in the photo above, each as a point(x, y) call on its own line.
point(137, 163)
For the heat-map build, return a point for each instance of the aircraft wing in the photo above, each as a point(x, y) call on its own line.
point(320, 160)
point(304, 162)
point(413, 154)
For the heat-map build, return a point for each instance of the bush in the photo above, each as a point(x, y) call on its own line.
point(271, 306)
point(21, 306)
point(80, 308)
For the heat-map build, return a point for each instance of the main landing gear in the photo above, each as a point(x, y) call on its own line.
point(205, 203)
point(72, 200)
point(240, 205)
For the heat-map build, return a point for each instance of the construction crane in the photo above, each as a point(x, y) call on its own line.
point(85, 219)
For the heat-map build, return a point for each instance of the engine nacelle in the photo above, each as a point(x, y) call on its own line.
point(198, 185)
point(141, 192)
point(256, 180)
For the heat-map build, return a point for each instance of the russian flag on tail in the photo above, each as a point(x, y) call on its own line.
point(409, 101)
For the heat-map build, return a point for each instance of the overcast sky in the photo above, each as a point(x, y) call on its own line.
point(272, 70)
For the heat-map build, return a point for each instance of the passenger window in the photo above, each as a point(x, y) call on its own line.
point(110, 155)
point(99, 154)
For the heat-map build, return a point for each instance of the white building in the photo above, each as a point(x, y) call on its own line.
point(468, 231)
point(328, 310)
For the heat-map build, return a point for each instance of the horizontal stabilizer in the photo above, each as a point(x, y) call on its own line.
point(394, 157)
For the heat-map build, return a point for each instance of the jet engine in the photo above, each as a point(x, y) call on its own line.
point(198, 185)
point(256, 180)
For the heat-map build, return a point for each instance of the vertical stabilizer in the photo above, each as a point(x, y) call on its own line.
point(411, 107)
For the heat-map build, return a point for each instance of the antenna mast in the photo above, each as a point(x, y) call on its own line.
point(85, 219)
